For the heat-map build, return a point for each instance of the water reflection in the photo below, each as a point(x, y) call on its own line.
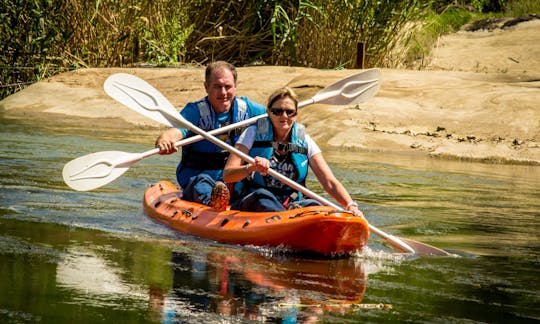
point(91, 275)
point(94, 277)
point(91, 257)
point(256, 287)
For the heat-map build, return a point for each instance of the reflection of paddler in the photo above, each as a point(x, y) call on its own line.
point(342, 282)
point(249, 285)
point(190, 277)
point(338, 279)
point(208, 285)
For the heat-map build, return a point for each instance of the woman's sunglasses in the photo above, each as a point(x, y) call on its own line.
point(280, 111)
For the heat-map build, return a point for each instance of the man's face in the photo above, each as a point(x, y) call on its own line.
point(221, 90)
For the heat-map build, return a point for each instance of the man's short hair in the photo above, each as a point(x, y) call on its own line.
point(218, 65)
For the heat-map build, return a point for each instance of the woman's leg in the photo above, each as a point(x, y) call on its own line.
point(260, 200)
point(304, 203)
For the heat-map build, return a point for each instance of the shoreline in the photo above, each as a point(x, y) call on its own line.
point(419, 112)
point(464, 106)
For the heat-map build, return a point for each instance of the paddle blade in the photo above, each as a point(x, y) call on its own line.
point(140, 96)
point(424, 249)
point(96, 170)
point(354, 89)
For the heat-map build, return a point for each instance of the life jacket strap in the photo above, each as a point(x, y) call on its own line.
point(204, 161)
point(284, 147)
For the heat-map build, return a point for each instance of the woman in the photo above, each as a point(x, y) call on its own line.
point(280, 143)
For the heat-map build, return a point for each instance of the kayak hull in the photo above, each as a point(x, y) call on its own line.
point(316, 229)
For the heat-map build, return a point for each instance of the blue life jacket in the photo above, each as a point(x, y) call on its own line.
point(204, 156)
point(264, 146)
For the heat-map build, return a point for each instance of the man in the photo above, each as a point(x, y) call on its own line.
point(202, 162)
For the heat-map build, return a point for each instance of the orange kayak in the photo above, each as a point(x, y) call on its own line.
point(316, 229)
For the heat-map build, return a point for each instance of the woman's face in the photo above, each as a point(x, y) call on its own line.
point(282, 114)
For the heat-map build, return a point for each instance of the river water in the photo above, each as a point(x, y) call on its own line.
point(88, 257)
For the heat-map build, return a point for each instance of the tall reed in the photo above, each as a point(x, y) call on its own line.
point(40, 38)
point(343, 24)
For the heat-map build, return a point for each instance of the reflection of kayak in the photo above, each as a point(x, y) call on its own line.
point(251, 287)
point(334, 282)
point(340, 280)
point(319, 229)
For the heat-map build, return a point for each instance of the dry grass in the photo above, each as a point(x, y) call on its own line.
point(42, 38)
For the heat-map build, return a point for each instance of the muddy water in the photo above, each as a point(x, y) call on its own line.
point(69, 256)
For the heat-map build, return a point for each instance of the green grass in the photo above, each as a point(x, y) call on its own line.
point(519, 8)
point(420, 43)
point(418, 46)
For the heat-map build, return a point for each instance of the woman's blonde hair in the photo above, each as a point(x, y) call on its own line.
point(280, 94)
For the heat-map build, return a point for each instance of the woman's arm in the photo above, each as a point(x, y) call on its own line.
point(235, 170)
point(332, 185)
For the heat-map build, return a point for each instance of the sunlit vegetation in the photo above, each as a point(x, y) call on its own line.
point(41, 38)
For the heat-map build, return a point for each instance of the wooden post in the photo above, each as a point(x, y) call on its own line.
point(360, 55)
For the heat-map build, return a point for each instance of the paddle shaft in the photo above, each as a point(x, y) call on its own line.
point(322, 96)
point(97, 169)
point(158, 108)
point(193, 139)
point(224, 129)
point(145, 99)
point(398, 244)
point(130, 90)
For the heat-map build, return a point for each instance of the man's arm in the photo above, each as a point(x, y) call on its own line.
point(165, 141)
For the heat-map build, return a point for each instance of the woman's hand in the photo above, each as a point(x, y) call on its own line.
point(261, 165)
point(353, 208)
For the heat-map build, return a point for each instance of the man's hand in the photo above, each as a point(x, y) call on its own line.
point(165, 141)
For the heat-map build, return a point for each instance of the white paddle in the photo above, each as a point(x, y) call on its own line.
point(155, 106)
point(98, 169)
